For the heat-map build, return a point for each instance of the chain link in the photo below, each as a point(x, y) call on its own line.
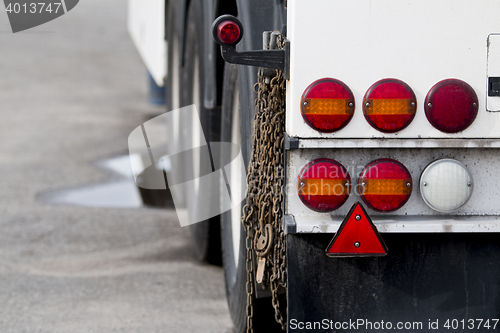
point(265, 180)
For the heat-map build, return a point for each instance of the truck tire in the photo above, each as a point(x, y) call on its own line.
point(233, 234)
point(172, 83)
point(172, 93)
point(206, 234)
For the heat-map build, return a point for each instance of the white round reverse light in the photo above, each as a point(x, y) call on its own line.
point(446, 185)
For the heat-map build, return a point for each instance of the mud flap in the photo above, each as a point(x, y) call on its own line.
point(425, 278)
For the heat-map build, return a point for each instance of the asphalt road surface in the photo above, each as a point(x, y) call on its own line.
point(71, 91)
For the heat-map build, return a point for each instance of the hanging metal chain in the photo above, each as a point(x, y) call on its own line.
point(262, 214)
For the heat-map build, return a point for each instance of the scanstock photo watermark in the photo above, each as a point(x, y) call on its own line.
point(478, 325)
point(25, 14)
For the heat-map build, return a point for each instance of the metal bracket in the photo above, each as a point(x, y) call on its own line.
point(290, 143)
point(265, 58)
point(272, 58)
point(289, 224)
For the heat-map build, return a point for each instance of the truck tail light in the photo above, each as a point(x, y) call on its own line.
point(385, 185)
point(389, 105)
point(446, 185)
point(228, 32)
point(327, 105)
point(324, 185)
point(451, 106)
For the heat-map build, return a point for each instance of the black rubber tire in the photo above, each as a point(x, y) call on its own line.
point(171, 92)
point(206, 234)
point(236, 277)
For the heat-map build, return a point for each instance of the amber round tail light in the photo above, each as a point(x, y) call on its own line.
point(327, 105)
point(389, 105)
point(324, 185)
point(385, 185)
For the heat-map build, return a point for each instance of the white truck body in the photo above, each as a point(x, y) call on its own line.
point(419, 42)
point(146, 25)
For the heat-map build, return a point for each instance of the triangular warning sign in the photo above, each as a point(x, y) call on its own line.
point(357, 236)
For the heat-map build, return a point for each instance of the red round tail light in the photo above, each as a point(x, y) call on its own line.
point(324, 185)
point(451, 106)
point(389, 105)
point(385, 185)
point(228, 32)
point(327, 105)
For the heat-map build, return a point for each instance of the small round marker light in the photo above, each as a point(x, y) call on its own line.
point(446, 185)
point(228, 32)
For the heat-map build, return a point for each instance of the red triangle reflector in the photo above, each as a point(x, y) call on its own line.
point(357, 236)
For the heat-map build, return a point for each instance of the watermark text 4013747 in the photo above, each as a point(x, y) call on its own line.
point(33, 8)
point(26, 14)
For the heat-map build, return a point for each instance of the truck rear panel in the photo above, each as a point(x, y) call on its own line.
point(420, 43)
point(440, 266)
